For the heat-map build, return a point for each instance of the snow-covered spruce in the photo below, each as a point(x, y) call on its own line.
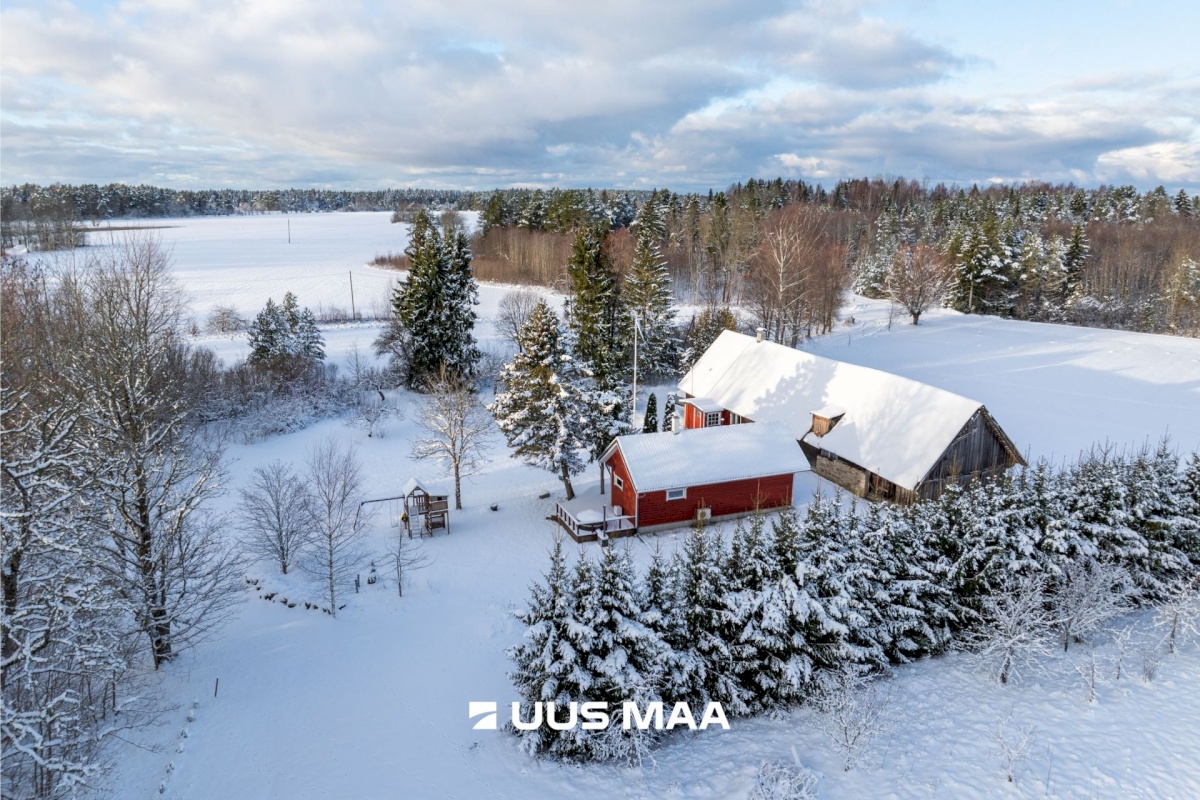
point(1011, 569)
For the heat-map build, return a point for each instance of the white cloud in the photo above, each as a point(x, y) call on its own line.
point(688, 95)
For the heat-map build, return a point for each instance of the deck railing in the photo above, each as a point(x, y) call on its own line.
point(608, 524)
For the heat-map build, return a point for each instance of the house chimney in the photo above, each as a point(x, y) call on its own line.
point(762, 334)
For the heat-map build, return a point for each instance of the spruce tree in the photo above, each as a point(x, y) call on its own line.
point(308, 341)
point(668, 422)
point(550, 409)
point(702, 332)
point(432, 316)
point(599, 325)
point(705, 670)
point(650, 422)
point(626, 655)
point(1073, 263)
point(647, 294)
point(269, 335)
point(545, 664)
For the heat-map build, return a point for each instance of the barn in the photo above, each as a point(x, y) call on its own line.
point(879, 435)
point(653, 481)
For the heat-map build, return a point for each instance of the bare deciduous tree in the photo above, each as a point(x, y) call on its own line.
point(372, 413)
point(154, 474)
point(1015, 627)
point(1179, 613)
point(918, 278)
point(277, 514)
point(225, 319)
point(336, 548)
point(796, 277)
point(1087, 595)
point(854, 712)
point(407, 556)
point(513, 312)
point(1015, 743)
point(455, 427)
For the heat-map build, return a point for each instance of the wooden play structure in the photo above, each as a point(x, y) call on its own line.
point(417, 508)
point(432, 510)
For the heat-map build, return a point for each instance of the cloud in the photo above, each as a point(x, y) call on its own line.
point(261, 93)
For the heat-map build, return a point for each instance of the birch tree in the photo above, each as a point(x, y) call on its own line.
point(455, 428)
point(277, 514)
point(336, 548)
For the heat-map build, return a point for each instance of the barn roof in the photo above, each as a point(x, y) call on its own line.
point(658, 461)
point(895, 427)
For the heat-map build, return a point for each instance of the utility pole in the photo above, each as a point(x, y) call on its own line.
point(289, 230)
point(636, 332)
point(353, 313)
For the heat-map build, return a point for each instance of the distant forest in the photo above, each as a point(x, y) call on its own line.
point(783, 252)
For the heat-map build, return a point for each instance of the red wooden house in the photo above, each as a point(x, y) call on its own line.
point(663, 480)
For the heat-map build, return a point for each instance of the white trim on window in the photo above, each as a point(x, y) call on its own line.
point(712, 419)
point(677, 494)
point(736, 419)
point(618, 482)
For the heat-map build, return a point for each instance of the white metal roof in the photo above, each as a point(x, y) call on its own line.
point(893, 426)
point(658, 461)
point(703, 403)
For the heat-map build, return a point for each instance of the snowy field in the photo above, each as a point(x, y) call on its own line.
point(374, 703)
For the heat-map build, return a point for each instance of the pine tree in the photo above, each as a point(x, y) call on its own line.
point(647, 294)
point(550, 409)
point(432, 316)
point(282, 333)
point(650, 422)
point(290, 309)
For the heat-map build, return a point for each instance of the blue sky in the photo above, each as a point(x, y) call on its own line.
point(689, 95)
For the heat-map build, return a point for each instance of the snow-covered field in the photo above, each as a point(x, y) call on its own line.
point(373, 704)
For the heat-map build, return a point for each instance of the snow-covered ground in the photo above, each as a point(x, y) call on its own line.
point(373, 704)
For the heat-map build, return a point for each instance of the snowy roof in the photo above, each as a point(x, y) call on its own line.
point(829, 411)
point(667, 460)
point(895, 427)
point(411, 485)
point(704, 403)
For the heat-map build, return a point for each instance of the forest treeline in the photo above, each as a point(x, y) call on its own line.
point(782, 250)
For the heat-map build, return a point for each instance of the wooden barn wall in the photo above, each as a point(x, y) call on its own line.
point(976, 451)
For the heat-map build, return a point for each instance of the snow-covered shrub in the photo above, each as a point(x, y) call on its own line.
point(779, 780)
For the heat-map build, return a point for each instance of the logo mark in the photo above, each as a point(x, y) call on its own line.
point(484, 709)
